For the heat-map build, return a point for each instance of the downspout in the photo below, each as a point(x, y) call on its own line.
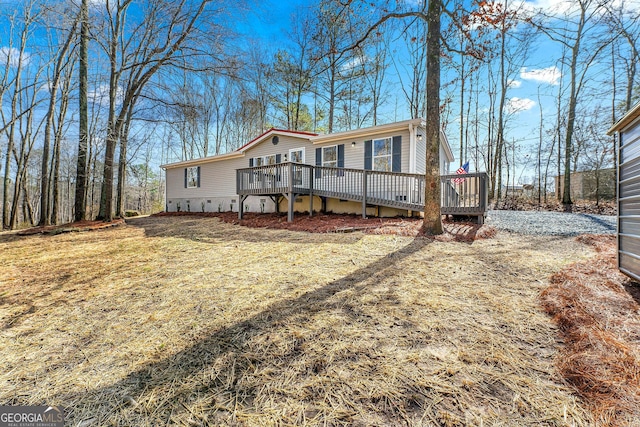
point(412, 148)
point(412, 154)
point(166, 202)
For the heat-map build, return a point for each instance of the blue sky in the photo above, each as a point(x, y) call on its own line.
point(270, 22)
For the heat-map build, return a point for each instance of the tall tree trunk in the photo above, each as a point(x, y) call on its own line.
point(432, 218)
point(122, 164)
point(81, 171)
point(503, 97)
point(540, 132)
point(122, 176)
point(27, 209)
point(44, 181)
point(6, 183)
point(332, 96)
point(106, 194)
point(113, 129)
point(57, 142)
point(571, 117)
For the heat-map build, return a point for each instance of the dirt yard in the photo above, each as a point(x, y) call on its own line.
point(192, 321)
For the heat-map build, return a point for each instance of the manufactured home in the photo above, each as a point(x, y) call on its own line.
point(377, 171)
point(628, 190)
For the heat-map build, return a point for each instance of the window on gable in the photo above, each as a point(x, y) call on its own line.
point(382, 155)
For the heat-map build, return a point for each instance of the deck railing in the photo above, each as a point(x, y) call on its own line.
point(461, 194)
point(465, 194)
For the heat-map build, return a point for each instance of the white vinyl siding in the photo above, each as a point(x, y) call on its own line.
point(218, 178)
point(354, 154)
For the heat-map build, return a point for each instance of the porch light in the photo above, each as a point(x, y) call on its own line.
point(419, 136)
point(353, 144)
point(285, 157)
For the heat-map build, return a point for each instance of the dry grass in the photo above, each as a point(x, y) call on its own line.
point(599, 319)
point(190, 321)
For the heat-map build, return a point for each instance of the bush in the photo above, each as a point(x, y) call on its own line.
point(130, 213)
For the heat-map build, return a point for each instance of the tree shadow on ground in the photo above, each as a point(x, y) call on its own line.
point(633, 289)
point(159, 377)
point(599, 221)
point(9, 236)
point(195, 229)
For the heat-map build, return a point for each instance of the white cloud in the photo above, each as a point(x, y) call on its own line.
point(554, 7)
point(550, 75)
point(13, 56)
point(354, 63)
point(567, 7)
point(100, 95)
point(514, 84)
point(517, 105)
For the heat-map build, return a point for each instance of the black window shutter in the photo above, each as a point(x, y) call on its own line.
point(185, 177)
point(278, 158)
point(251, 162)
point(341, 155)
point(396, 161)
point(198, 176)
point(250, 172)
point(368, 155)
point(318, 161)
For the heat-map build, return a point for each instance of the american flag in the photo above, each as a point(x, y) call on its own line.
point(461, 170)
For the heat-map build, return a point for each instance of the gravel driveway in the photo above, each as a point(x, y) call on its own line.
point(551, 223)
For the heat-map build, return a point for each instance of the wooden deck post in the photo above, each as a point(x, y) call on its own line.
point(241, 199)
point(364, 194)
point(292, 196)
point(292, 199)
point(311, 172)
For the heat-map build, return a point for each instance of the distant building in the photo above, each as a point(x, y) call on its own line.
point(590, 185)
point(525, 190)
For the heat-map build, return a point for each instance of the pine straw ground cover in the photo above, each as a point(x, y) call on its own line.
point(598, 312)
point(191, 321)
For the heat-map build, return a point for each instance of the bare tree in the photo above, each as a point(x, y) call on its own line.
point(432, 15)
point(582, 35)
point(61, 62)
point(83, 131)
point(21, 81)
point(161, 38)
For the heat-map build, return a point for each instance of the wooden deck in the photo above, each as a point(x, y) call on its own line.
point(461, 194)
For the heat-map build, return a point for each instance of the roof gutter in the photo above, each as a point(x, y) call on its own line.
point(358, 133)
point(196, 162)
point(626, 120)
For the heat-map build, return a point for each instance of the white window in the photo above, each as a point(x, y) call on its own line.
point(382, 155)
point(258, 161)
point(330, 156)
point(192, 177)
point(270, 160)
point(296, 155)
